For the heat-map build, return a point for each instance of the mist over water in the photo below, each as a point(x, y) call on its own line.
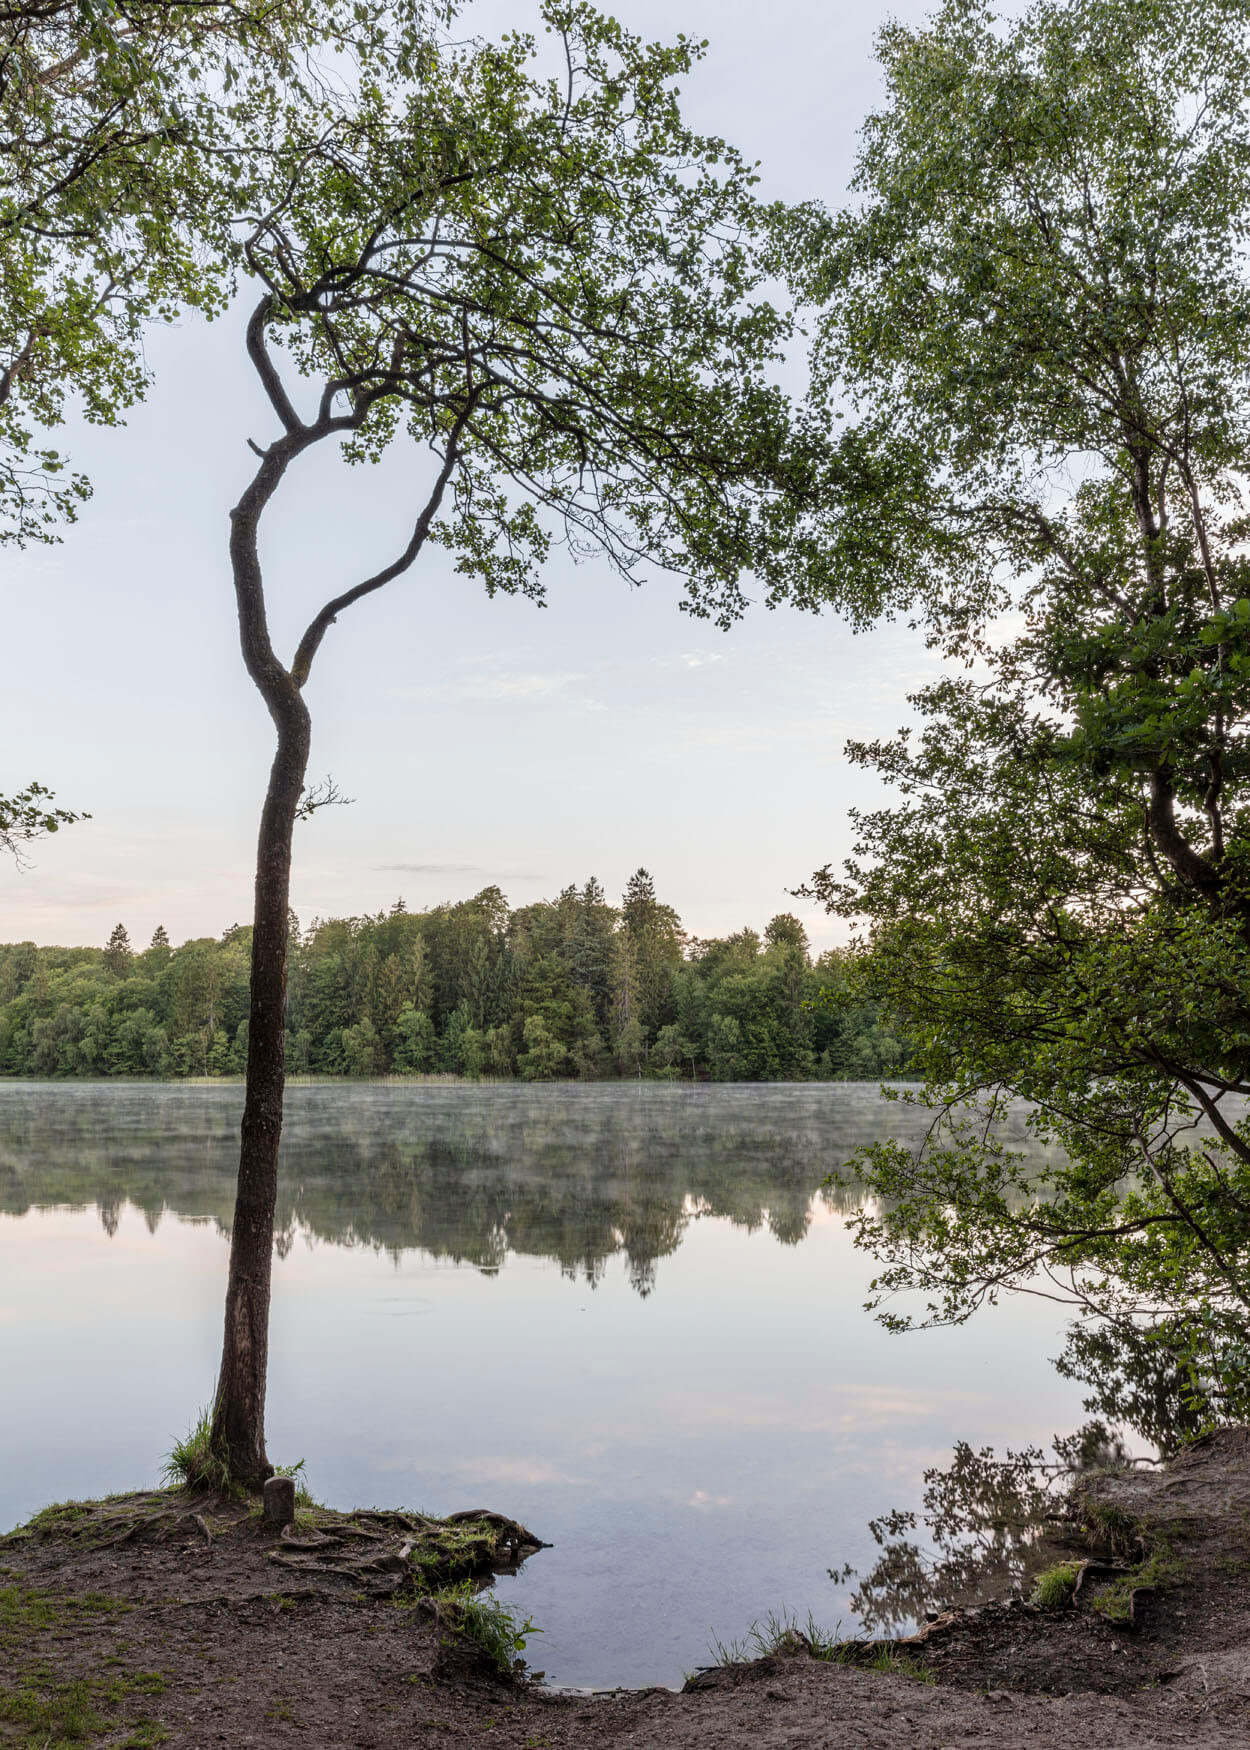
point(630, 1316)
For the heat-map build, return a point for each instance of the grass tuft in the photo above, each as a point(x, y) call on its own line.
point(783, 1635)
point(449, 1553)
point(198, 1463)
point(892, 1662)
point(494, 1627)
point(1120, 1532)
point(777, 1636)
point(1114, 1602)
point(1054, 1587)
point(303, 1494)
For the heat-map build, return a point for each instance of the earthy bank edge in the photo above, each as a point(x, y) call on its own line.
point(198, 1627)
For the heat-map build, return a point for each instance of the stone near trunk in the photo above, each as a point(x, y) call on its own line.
point(279, 1497)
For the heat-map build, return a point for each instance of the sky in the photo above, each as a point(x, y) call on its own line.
point(481, 741)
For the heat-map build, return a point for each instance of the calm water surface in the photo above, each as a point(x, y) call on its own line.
point(629, 1316)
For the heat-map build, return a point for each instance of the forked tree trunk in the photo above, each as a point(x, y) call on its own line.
point(237, 1433)
point(238, 1423)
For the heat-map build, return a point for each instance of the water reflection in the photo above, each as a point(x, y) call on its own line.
point(1146, 1378)
point(698, 1436)
point(570, 1173)
point(989, 1527)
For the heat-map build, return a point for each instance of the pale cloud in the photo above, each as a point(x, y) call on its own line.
point(700, 657)
point(855, 1409)
point(495, 872)
point(429, 868)
point(702, 1500)
point(534, 684)
point(526, 1472)
point(516, 686)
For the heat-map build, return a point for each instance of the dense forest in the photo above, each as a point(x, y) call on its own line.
point(567, 987)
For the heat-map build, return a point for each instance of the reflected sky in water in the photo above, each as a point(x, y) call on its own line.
point(629, 1316)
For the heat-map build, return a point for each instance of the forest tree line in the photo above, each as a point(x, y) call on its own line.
point(571, 987)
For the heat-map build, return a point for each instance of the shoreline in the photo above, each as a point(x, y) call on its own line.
point(167, 1618)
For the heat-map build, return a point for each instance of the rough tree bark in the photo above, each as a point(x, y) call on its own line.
point(239, 1410)
point(237, 1431)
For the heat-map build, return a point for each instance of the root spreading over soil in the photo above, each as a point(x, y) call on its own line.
point(167, 1618)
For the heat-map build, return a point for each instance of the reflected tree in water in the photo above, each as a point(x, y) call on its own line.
point(985, 1518)
point(1153, 1379)
point(988, 1523)
point(470, 1175)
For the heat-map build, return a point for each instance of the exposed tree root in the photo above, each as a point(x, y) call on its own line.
point(374, 1552)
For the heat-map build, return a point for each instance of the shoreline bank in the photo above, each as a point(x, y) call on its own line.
point(166, 1618)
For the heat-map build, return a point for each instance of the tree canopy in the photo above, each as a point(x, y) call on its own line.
point(31, 814)
point(475, 988)
point(1042, 298)
point(526, 264)
point(134, 134)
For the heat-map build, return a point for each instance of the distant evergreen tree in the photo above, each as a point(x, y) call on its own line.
point(570, 987)
point(653, 950)
point(118, 955)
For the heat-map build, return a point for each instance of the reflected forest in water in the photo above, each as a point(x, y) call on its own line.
point(576, 1175)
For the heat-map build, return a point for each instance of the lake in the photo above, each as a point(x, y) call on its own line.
point(628, 1315)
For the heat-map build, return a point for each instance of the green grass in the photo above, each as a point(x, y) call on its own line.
point(303, 1494)
point(1114, 1602)
point(783, 1635)
point(1054, 1587)
point(90, 1524)
point(901, 1664)
point(52, 1714)
point(39, 1709)
point(196, 1462)
point(447, 1554)
point(776, 1635)
point(25, 1614)
point(47, 1714)
point(1120, 1532)
point(496, 1628)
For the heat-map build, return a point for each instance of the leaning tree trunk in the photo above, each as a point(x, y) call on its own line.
point(238, 1430)
point(237, 1434)
point(238, 1424)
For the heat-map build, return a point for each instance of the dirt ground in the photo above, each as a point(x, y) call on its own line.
point(200, 1627)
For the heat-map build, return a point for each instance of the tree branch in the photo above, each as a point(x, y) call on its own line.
point(310, 643)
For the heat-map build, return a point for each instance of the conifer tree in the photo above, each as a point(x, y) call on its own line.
point(118, 956)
